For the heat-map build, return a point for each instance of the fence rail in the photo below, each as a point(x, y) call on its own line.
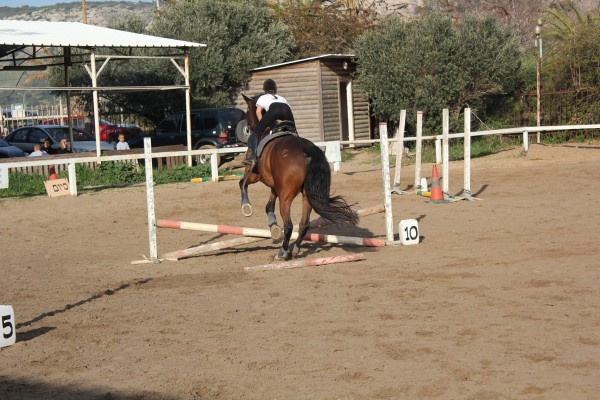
point(175, 155)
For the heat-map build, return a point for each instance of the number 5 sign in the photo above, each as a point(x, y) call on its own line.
point(7, 326)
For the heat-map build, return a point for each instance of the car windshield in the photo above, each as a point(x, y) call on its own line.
point(3, 143)
point(232, 116)
point(63, 132)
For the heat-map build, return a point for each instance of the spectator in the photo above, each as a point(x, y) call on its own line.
point(122, 144)
point(88, 124)
point(63, 148)
point(47, 147)
point(37, 151)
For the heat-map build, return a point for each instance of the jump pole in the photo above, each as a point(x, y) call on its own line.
point(265, 233)
point(306, 263)
point(467, 157)
point(385, 170)
point(225, 244)
point(418, 149)
point(399, 153)
point(205, 248)
point(150, 201)
point(445, 150)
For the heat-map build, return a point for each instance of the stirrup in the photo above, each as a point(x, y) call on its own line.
point(249, 161)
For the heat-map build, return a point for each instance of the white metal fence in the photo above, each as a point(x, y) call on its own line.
point(68, 164)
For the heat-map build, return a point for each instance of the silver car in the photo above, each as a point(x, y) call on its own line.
point(25, 137)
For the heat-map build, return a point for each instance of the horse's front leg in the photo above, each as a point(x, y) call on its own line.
point(303, 227)
point(270, 210)
point(288, 227)
point(248, 178)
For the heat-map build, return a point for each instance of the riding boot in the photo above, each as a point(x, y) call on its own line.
point(252, 144)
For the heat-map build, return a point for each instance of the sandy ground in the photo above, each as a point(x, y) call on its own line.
point(499, 300)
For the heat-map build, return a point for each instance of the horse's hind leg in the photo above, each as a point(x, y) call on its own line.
point(284, 209)
point(303, 227)
point(270, 210)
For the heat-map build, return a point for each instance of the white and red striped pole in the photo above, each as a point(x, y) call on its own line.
point(265, 233)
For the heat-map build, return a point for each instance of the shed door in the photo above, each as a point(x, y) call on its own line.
point(346, 110)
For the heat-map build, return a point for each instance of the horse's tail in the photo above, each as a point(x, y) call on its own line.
point(317, 185)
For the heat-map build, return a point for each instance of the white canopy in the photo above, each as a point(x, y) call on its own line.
point(75, 34)
point(21, 41)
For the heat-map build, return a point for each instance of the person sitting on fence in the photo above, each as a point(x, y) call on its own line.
point(37, 151)
point(63, 149)
point(122, 144)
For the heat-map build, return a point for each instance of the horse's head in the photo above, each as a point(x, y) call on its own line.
point(251, 114)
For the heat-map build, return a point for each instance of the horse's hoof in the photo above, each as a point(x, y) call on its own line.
point(275, 233)
point(294, 251)
point(247, 210)
point(282, 255)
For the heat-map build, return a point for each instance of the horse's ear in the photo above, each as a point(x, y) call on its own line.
point(248, 99)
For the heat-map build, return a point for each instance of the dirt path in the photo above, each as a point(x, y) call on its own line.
point(500, 300)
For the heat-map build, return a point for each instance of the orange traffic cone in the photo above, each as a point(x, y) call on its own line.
point(51, 173)
point(436, 191)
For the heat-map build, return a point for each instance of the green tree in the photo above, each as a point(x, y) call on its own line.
point(240, 35)
point(433, 63)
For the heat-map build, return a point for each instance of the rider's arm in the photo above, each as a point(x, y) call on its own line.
point(259, 109)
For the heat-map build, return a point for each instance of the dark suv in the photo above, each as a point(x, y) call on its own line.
point(211, 128)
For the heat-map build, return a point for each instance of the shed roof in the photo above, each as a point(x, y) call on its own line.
point(319, 57)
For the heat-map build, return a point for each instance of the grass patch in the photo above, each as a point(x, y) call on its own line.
point(106, 175)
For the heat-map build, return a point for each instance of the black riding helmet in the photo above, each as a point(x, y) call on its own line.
point(269, 86)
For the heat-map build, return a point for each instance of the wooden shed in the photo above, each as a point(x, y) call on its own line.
point(326, 103)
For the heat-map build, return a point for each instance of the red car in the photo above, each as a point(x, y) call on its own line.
point(109, 132)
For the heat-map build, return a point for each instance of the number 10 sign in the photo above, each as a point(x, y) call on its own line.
point(409, 231)
point(7, 328)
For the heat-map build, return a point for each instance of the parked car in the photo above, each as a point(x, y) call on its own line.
point(8, 150)
point(211, 128)
point(109, 132)
point(24, 138)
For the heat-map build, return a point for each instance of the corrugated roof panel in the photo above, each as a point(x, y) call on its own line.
point(76, 34)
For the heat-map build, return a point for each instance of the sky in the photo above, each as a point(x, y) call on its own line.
point(40, 3)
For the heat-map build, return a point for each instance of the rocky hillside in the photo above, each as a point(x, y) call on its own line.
point(98, 13)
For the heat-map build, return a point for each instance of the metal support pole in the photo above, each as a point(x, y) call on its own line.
point(95, 101)
point(188, 117)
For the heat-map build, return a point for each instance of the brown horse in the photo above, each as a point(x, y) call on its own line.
point(290, 165)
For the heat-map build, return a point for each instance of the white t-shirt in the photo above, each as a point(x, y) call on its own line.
point(122, 146)
point(267, 99)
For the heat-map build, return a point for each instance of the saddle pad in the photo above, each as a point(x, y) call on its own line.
point(270, 137)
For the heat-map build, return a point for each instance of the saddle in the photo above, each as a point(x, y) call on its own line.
point(280, 128)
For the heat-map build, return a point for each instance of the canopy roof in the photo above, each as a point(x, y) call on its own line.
point(21, 41)
point(17, 35)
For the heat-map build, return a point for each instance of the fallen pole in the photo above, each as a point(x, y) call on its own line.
point(265, 233)
point(205, 248)
point(306, 263)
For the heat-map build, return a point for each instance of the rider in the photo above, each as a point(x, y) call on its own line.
point(275, 107)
